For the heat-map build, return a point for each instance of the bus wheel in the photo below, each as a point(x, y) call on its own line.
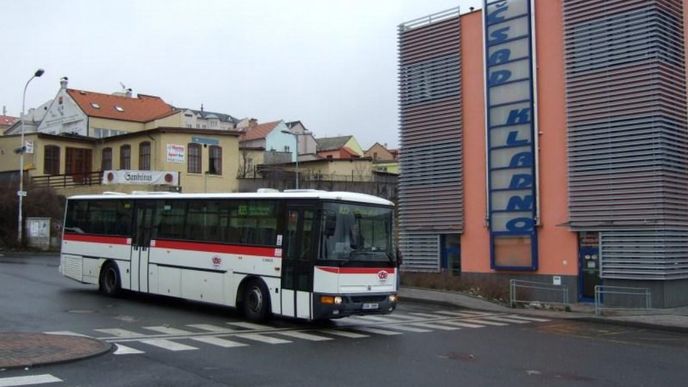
point(256, 301)
point(109, 280)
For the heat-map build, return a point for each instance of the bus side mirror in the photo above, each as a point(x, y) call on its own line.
point(400, 260)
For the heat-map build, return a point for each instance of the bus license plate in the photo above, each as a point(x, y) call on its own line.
point(370, 306)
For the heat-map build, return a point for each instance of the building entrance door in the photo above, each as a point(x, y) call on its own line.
point(450, 253)
point(588, 264)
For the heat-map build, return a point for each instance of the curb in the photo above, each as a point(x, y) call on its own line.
point(578, 316)
point(22, 350)
point(635, 324)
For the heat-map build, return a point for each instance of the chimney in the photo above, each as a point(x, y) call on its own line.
point(201, 108)
point(252, 123)
point(4, 110)
point(63, 83)
point(128, 93)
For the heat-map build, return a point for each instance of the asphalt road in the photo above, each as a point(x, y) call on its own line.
point(162, 342)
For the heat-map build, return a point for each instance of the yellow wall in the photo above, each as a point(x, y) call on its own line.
point(190, 182)
point(391, 166)
point(173, 121)
point(104, 123)
point(257, 157)
point(198, 182)
point(9, 161)
point(34, 163)
point(354, 146)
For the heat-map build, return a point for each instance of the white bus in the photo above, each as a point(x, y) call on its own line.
point(303, 254)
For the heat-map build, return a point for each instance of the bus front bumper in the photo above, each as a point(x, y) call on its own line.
point(326, 306)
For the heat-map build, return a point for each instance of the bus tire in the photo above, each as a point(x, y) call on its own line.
point(256, 301)
point(109, 282)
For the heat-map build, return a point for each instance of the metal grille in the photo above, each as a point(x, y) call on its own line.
point(644, 255)
point(626, 99)
point(421, 251)
point(430, 184)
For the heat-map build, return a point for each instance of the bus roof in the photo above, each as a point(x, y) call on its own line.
point(287, 194)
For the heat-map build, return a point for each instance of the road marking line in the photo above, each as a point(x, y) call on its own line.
point(386, 319)
point(462, 324)
point(65, 333)
point(28, 380)
point(484, 322)
point(304, 336)
point(427, 315)
point(463, 314)
point(249, 325)
point(377, 331)
point(211, 328)
point(343, 333)
point(124, 350)
point(357, 320)
point(168, 330)
point(168, 344)
point(224, 343)
point(262, 338)
point(528, 318)
point(435, 326)
point(504, 319)
point(407, 328)
point(119, 332)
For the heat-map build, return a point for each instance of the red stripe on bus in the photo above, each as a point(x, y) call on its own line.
point(355, 270)
point(216, 248)
point(112, 240)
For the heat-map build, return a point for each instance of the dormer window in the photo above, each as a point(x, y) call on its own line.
point(119, 108)
point(95, 105)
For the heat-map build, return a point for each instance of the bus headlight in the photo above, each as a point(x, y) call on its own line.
point(393, 298)
point(331, 300)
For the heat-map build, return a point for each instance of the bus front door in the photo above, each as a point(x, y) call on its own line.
point(140, 247)
point(297, 264)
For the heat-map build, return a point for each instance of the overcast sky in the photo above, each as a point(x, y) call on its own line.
point(330, 64)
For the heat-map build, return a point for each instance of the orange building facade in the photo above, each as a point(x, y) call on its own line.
point(523, 130)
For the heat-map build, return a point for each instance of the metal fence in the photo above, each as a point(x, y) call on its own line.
point(522, 292)
point(620, 297)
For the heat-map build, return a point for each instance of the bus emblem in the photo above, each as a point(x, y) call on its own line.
point(382, 275)
point(217, 261)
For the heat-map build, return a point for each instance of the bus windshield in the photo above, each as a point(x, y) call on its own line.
point(355, 233)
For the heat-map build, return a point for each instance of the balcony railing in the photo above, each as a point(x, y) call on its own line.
point(68, 180)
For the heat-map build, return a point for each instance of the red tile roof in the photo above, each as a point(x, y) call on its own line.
point(142, 108)
point(7, 120)
point(259, 131)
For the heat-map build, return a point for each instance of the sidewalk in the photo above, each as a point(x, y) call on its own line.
point(22, 349)
point(673, 319)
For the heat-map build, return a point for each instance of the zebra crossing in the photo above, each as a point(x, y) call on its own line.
point(236, 334)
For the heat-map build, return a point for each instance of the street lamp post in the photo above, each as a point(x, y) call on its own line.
point(22, 150)
point(296, 136)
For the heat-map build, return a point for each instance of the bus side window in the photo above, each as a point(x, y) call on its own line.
point(172, 215)
point(77, 217)
point(307, 236)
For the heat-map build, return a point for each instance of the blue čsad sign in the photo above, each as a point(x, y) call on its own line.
point(509, 78)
